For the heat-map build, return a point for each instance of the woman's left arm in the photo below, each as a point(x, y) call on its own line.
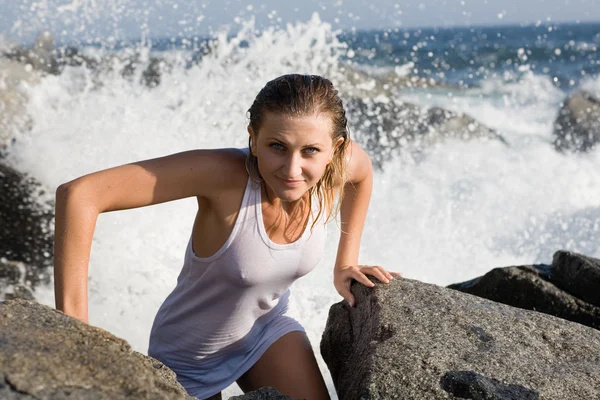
point(353, 212)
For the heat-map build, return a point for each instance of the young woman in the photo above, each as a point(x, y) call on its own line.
point(260, 226)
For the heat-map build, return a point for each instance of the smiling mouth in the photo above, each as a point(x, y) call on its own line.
point(291, 182)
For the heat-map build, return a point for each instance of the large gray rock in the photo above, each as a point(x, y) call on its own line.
point(577, 126)
point(45, 354)
point(529, 287)
point(26, 233)
point(383, 128)
point(411, 340)
point(578, 274)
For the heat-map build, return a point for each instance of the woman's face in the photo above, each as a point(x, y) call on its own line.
point(292, 152)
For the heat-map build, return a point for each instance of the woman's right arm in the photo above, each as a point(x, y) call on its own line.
point(79, 202)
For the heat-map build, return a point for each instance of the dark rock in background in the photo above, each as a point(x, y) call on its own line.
point(529, 287)
point(577, 274)
point(402, 338)
point(26, 233)
point(400, 125)
point(44, 58)
point(45, 354)
point(577, 126)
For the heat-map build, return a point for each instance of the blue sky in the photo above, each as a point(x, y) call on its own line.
point(22, 19)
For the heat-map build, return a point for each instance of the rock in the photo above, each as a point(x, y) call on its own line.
point(26, 231)
point(45, 354)
point(529, 287)
point(14, 77)
point(577, 274)
point(411, 340)
point(151, 75)
point(360, 84)
point(400, 124)
point(471, 385)
point(41, 56)
point(72, 57)
point(577, 126)
point(266, 393)
point(12, 277)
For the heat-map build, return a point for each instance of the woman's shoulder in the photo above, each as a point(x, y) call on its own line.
point(214, 172)
point(229, 164)
point(230, 157)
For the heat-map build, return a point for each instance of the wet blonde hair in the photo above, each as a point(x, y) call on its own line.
point(305, 95)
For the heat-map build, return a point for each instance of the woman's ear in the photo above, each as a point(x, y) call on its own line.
point(252, 141)
point(336, 144)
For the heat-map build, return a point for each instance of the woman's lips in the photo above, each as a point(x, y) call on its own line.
point(291, 182)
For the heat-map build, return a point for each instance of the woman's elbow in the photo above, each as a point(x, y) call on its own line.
point(75, 192)
point(67, 190)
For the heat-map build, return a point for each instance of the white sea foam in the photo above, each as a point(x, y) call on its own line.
point(521, 109)
point(592, 85)
point(460, 210)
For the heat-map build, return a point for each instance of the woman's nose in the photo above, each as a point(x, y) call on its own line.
point(293, 166)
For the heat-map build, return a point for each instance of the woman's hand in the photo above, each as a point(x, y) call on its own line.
point(343, 276)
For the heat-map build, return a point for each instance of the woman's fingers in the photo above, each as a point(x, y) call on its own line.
point(362, 278)
point(343, 288)
point(359, 273)
point(377, 272)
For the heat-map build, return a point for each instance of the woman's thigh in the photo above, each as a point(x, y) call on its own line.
point(288, 365)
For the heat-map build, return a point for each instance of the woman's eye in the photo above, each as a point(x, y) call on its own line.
point(277, 146)
point(311, 150)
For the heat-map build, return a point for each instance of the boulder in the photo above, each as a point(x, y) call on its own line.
point(411, 340)
point(577, 126)
point(384, 127)
point(529, 287)
point(45, 354)
point(26, 233)
point(577, 274)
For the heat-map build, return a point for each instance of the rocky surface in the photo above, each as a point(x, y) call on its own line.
point(45, 354)
point(577, 126)
point(471, 385)
point(26, 234)
point(530, 287)
point(577, 274)
point(400, 125)
point(411, 340)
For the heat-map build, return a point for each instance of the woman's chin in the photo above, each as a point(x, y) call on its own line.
point(288, 193)
point(290, 196)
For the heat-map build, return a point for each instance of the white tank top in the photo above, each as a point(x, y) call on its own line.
point(228, 308)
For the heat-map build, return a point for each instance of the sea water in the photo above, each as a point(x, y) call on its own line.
point(443, 214)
